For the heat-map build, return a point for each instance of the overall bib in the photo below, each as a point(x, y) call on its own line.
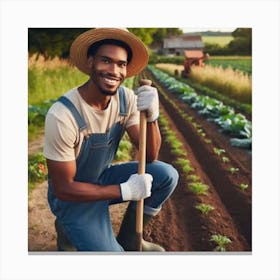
point(87, 224)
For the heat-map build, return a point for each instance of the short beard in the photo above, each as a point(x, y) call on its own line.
point(107, 93)
point(103, 91)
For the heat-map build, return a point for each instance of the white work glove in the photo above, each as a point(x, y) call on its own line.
point(147, 100)
point(137, 187)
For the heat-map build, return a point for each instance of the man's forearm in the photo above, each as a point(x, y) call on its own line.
point(80, 191)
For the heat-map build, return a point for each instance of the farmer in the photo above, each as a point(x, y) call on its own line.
point(82, 134)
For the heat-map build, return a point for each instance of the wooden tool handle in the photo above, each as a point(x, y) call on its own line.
point(141, 169)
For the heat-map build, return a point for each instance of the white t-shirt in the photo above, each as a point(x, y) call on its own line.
point(63, 139)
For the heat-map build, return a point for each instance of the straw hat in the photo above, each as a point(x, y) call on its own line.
point(79, 48)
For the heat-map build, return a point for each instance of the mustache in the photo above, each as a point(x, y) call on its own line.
point(111, 76)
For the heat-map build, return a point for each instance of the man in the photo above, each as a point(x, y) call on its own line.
point(82, 133)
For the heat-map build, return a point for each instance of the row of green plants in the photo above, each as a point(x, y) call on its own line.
point(208, 86)
point(219, 152)
point(234, 124)
point(237, 64)
point(242, 107)
point(195, 184)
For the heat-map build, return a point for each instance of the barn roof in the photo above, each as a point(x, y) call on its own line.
point(193, 53)
point(185, 41)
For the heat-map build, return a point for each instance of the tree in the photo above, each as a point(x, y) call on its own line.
point(52, 42)
point(242, 42)
point(145, 34)
point(162, 33)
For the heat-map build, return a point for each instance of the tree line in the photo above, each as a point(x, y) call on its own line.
point(51, 42)
point(240, 45)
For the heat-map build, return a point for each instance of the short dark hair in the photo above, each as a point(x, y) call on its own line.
point(92, 50)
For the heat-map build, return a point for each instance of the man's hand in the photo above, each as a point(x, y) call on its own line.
point(147, 100)
point(137, 187)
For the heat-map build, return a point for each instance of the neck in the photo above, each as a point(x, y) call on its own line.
point(92, 95)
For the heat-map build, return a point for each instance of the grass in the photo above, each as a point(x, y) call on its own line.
point(219, 40)
point(49, 79)
point(170, 68)
point(234, 84)
point(231, 83)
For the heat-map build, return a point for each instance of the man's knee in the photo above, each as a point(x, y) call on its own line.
point(166, 174)
point(172, 175)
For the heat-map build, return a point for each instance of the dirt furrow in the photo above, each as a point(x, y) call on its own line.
point(237, 202)
point(186, 228)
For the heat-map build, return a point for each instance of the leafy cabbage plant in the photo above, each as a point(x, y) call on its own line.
point(234, 124)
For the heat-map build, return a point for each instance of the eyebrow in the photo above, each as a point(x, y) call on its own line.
point(119, 61)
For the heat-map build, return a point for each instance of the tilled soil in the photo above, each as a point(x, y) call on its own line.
point(232, 215)
point(179, 227)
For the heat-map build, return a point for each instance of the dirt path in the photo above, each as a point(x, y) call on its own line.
point(41, 231)
point(36, 145)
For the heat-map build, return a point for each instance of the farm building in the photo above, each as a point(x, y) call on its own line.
point(177, 45)
point(195, 55)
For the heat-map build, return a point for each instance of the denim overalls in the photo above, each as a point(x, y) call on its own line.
point(87, 224)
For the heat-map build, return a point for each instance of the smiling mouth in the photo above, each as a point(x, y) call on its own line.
point(111, 80)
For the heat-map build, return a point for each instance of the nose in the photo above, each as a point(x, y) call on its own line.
point(113, 68)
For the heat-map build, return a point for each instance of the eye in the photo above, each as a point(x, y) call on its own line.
point(123, 64)
point(105, 60)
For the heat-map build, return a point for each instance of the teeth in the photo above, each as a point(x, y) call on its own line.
point(110, 81)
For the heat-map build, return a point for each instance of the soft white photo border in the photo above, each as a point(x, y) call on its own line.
point(17, 17)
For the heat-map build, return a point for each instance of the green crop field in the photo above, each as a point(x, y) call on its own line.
point(240, 63)
point(219, 40)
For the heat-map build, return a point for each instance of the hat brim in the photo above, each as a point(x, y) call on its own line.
point(79, 48)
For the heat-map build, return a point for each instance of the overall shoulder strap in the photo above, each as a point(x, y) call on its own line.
point(122, 98)
point(80, 121)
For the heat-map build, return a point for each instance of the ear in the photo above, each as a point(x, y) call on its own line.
point(90, 61)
